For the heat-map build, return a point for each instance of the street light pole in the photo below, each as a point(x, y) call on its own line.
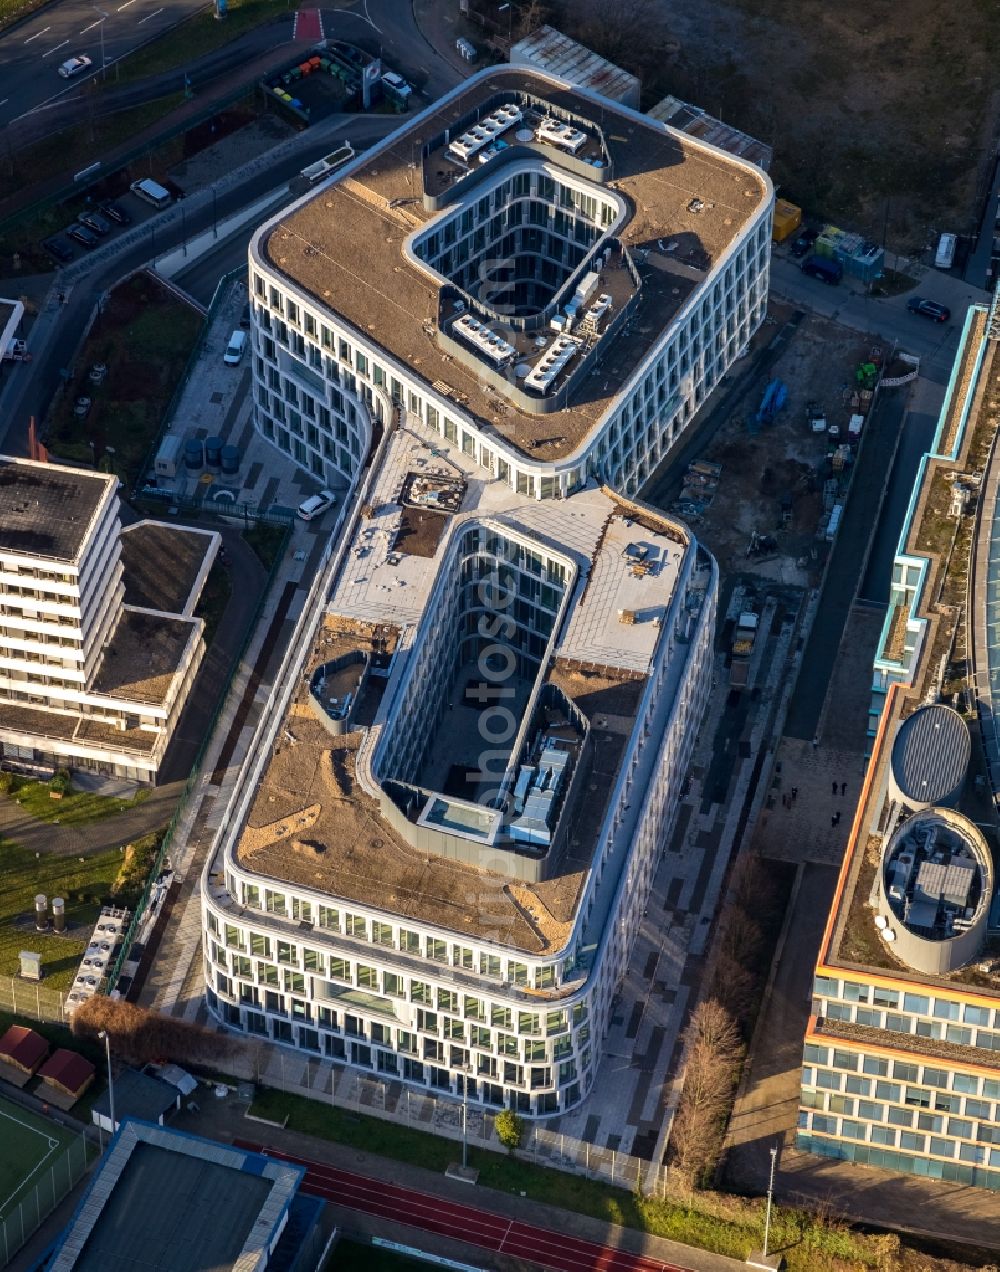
point(104, 18)
point(111, 1084)
point(770, 1197)
point(465, 1118)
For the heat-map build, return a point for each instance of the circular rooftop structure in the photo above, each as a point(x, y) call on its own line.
point(935, 886)
point(930, 756)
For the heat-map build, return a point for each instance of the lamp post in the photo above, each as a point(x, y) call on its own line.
point(104, 18)
point(510, 21)
point(770, 1197)
point(111, 1084)
point(465, 1114)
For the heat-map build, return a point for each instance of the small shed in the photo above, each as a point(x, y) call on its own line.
point(21, 1052)
point(68, 1074)
point(139, 1096)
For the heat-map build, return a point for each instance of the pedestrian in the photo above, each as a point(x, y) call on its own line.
point(795, 791)
point(833, 819)
point(815, 743)
point(836, 820)
point(835, 788)
point(843, 788)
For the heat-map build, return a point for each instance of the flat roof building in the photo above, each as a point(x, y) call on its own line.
point(164, 1199)
point(86, 680)
point(446, 829)
point(901, 1064)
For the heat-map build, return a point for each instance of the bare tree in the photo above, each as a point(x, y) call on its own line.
point(713, 1054)
point(631, 33)
point(140, 1035)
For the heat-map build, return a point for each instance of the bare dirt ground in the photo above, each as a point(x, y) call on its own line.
point(784, 459)
point(864, 101)
point(878, 110)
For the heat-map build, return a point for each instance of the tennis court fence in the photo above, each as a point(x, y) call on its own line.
point(35, 1206)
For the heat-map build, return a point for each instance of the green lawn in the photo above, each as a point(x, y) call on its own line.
point(74, 808)
point(84, 886)
point(32, 1145)
point(268, 541)
point(357, 1256)
point(214, 599)
point(145, 337)
point(67, 152)
point(718, 1222)
point(203, 33)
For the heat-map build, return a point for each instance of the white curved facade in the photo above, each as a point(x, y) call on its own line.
point(507, 1001)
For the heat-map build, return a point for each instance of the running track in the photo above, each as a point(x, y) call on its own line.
point(555, 1250)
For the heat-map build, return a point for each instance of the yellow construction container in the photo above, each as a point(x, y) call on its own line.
point(787, 219)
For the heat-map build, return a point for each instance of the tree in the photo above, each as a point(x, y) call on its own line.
point(713, 1053)
point(139, 1035)
point(510, 1129)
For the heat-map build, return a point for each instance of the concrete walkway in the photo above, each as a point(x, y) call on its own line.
point(99, 836)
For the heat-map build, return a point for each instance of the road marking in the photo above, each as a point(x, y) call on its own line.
point(125, 5)
point(57, 48)
point(150, 15)
point(5, 101)
point(37, 34)
point(92, 25)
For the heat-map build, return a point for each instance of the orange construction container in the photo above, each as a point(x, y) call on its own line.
point(787, 219)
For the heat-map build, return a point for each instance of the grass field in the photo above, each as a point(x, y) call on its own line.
point(83, 885)
point(31, 1146)
point(355, 1256)
point(75, 808)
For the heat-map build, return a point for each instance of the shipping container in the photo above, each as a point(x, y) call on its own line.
point(787, 219)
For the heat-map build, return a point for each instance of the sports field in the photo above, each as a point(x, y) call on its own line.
point(31, 1146)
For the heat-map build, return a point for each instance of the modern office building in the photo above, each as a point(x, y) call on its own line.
point(901, 1067)
point(445, 833)
point(546, 279)
point(86, 680)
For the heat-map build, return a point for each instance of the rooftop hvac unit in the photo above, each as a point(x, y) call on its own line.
point(889, 935)
point(881, 922)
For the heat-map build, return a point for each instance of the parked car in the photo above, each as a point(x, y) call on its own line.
point(81, 408)
point(115, 212)
point(398, 85)
point(234, 350)
point(802, 242)
point(59, 248)
point(825, 268)
point(94, 221)
point(74, 66)
point(316, 505)
point(80, 233)
point(98, 373)
point(928, 309)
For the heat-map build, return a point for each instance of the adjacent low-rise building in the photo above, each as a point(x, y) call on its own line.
point(901, 1065)
point(87, 681)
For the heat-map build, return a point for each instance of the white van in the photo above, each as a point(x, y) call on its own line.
point(945, 257)
point(234, 350)
point(152, 192)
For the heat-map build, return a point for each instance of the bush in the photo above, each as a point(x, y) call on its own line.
point(61, 783)
point(139, 1035)
point(510, 1129)
point(10, 783)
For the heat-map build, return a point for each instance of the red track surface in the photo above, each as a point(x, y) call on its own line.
point(555, 1250)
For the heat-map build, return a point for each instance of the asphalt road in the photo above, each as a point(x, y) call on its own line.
point(32, 386)
point(31, 52)
point(934, 343)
